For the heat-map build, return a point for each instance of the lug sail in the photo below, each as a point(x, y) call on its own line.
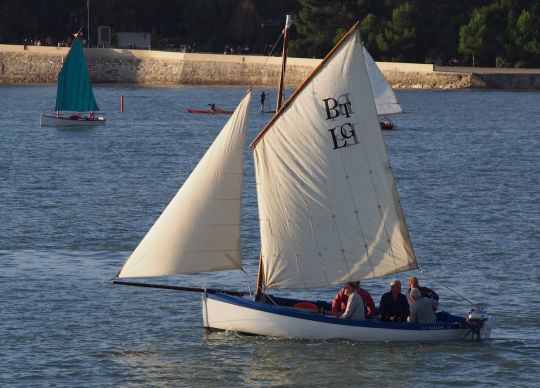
point(328, 206)
point(200, 228)
point(385, 98)
point(74, 92)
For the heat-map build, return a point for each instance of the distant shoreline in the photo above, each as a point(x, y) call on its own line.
point(41, 64)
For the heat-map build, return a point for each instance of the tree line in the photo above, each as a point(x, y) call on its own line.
point(502, 33)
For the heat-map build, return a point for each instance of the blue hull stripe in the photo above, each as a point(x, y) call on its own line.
point(290, 312)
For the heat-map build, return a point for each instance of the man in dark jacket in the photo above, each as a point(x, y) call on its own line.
point(394, 306)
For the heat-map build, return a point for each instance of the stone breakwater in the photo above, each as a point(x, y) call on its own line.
point(41, 65)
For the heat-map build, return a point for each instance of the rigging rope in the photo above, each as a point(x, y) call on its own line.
point(259, 70)
point(247, 275)
point(447, 287)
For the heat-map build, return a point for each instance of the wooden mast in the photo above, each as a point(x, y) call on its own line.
point(260, 277)
point(288, 22)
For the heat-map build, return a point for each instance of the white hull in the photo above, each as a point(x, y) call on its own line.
point(226, 312)
point(62, 121)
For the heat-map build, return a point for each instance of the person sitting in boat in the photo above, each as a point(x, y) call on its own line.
point(340, 301)
point(90, 116)
point(355, 306)
point(213, 107)
point(425, 292)
point(421, 310)
point(75, 116)
point(394, 305)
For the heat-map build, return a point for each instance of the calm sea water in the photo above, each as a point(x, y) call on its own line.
point(75, 203)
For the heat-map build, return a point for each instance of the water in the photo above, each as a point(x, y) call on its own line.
point(74, 203)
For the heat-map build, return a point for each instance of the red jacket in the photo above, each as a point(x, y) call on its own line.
point(340, 302)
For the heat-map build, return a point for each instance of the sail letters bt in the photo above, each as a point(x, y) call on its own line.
point(340, 109)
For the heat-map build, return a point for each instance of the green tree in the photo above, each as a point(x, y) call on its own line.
point(321, 23)
point(397, 36)
point(472, 37)
point(526, 34)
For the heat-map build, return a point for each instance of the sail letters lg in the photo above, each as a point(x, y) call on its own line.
point(343, 135)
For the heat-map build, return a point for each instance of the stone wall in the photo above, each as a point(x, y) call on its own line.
point(20, 66)
point(42, 64)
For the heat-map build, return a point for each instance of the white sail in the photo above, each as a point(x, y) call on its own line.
point(385, 98)
point(200, 228)
point(328, 205)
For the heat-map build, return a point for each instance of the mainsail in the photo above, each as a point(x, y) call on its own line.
point(74, 92)
point(328, 206)
point(200, 228)
point(385, 98)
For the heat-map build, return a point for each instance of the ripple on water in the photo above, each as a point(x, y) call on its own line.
point(76, 203)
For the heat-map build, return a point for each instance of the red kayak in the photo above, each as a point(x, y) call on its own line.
point(211, 111)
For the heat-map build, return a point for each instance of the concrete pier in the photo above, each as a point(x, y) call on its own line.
point(40, 64)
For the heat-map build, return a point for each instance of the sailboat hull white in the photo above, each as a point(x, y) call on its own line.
point(226, 312)
point(62, 121)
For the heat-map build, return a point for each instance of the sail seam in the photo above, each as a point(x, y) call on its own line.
point(356, 212)
point(317, 245)
point(336, 228)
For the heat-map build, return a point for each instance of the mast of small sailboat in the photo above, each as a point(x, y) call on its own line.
point(288, 22)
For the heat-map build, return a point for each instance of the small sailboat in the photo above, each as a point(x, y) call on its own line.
point(75, 102)
point(329, 213)
point(385, 98)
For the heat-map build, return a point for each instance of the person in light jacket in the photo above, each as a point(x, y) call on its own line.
point(421, 309)
point(355, 306)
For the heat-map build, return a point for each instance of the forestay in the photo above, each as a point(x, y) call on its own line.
point(385, 98)
point(74, 91)
point(200, 228)
point(328, 205)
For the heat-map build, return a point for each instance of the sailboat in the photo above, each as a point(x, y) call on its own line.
point(385, 98)
point(75, 102)
point(329, 213)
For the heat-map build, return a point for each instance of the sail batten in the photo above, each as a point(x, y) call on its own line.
point(200, 228)
point(74, 91)
point(327, 206)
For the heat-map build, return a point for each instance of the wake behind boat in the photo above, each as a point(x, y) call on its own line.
point(329, 213)
point(75, 102)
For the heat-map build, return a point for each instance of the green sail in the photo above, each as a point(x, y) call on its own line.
point(74, 91)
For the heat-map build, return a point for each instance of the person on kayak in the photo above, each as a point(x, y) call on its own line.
point(213, 107)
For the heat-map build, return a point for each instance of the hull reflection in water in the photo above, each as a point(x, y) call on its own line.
point(227, 312)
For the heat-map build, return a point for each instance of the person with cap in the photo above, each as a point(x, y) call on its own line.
point(421, 310)
point(340, 301)
point(355, 306)
point(424, 291)
point(394, 306)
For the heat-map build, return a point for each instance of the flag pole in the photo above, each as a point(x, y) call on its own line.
point(88, 22)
